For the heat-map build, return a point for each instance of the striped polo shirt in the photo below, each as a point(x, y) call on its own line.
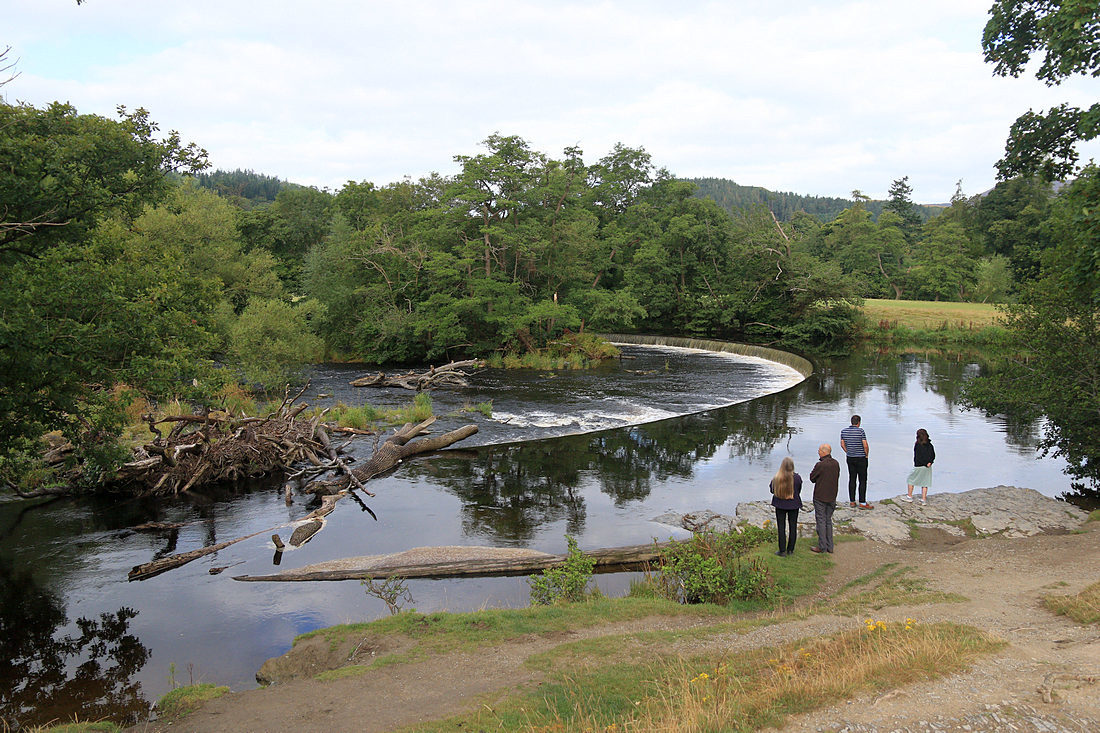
point(853, 437)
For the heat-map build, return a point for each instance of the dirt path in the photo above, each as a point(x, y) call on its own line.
point(1003, 579)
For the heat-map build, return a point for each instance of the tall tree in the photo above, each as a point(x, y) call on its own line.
point(1066, 34)
point(80, 309)
point(901, 203)
point(1011, 220)
point(64, 172)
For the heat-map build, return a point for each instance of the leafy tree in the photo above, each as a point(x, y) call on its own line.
point(203, 227)
point(83, 306)
point(64, 172)
point(1054, 325)
point(993, 280)
point(619, 178)
point(81, 318)
point(1056, 377)
point(943, 268)
point(1075, 224)
point(872, 255)
point(1066, 33)
point(1010, 219)
point(297, 221)
point(494, 188)
point(272, 341)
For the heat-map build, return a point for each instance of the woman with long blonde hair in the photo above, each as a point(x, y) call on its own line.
point(786, 488)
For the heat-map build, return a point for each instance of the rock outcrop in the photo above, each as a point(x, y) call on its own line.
point(1009, 511)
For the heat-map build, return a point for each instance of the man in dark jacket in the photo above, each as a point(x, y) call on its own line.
point(826, 479)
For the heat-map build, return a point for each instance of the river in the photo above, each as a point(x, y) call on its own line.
point(596, 455)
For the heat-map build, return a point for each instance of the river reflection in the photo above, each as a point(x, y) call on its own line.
point(47, 675)
point(68, 559)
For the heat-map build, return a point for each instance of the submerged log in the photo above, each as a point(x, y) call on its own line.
point(436, 562)
point(160, 565)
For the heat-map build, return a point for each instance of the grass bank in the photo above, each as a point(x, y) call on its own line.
point(686, 678)
point(680, 673)
point(747, 691)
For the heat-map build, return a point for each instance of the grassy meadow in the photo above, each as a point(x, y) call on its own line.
point(929, 314)
point(926, 324)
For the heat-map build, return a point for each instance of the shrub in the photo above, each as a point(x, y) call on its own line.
point(710, 568)
point(565, 583)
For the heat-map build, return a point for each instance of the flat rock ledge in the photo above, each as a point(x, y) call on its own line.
point(1008, 511)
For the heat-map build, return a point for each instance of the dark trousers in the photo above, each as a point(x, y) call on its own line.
point(823, 513)
point(786, 521)
point(857, 468)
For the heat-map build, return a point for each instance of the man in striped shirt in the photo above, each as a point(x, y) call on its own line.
point(854, 442)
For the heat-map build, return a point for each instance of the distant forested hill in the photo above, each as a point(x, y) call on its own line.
point(734, 197)
point(246, 188)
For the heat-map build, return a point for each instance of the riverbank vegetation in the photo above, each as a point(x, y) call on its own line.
point(678, 670)
point(632, 689)
point(894, 325)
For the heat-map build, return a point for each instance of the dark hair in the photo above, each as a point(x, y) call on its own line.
point(855, 419)
point(922, 436)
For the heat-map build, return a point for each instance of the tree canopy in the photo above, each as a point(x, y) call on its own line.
point(1053, 243)
point(117, 279)
point(1066, 35)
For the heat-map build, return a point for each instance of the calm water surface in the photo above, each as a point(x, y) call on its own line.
point(587, 468)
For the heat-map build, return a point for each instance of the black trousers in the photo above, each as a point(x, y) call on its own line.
point(857, 468)
point(786, 521)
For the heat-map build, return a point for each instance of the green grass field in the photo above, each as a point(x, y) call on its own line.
point(927, 314)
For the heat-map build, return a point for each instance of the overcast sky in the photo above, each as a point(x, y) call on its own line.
point(812, 97)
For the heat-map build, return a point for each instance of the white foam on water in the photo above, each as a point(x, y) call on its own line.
point(787, 376)
point(536, 419)
point(588, 415)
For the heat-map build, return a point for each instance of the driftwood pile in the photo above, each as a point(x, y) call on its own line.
point(216, 447)
point(386, 457)
point(449, 376)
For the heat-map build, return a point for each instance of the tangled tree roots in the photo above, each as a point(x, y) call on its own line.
point(186, 458)
point(209, 448)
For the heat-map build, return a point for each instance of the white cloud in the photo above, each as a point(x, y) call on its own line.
point(797, 96)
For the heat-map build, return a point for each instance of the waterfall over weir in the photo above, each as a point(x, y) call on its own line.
point(804, 366)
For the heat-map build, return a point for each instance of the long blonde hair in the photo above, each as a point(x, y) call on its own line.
point(783, 481)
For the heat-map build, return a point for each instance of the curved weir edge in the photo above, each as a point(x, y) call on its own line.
point(800, 364)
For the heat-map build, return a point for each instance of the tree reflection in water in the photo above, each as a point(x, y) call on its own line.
point(510, 491)
point(45, 676)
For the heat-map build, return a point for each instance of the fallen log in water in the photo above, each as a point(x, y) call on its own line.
point(396, 448)
point(457, 562)
point(448, 375)
point(160, 565)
